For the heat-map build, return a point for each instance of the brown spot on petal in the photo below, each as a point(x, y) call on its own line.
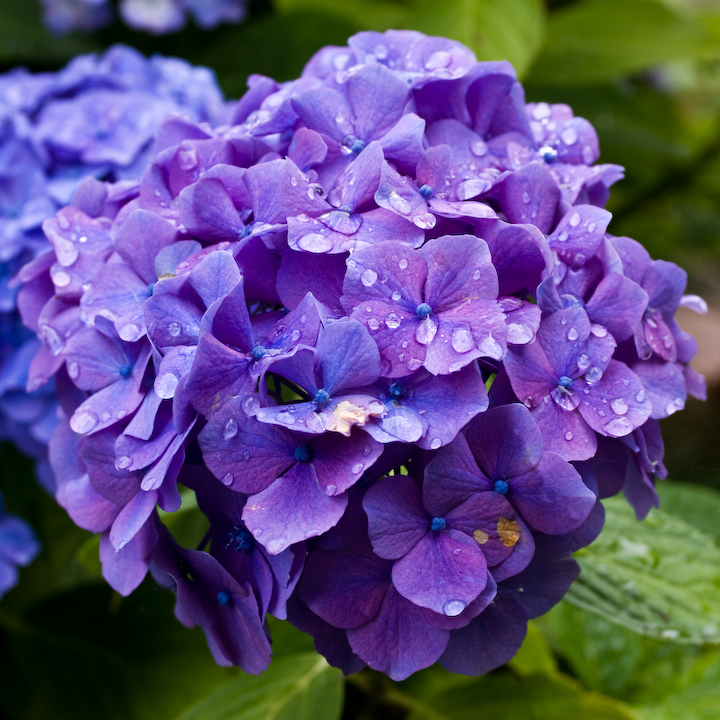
point(481, 537)
point(509, 531)
point(347, 414)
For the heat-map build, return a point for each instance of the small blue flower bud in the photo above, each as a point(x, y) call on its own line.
point(426, 191)
point(302, 454)
point(565, 382)
point(224, 598)
point(423, 310)
point(396, 390)
point(322, 397)
point(258, 352)
point(501, 487)
point(437, 524)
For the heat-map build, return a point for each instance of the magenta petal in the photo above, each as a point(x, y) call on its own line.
point(398, 642)
point(444, 572)
point(292, 509)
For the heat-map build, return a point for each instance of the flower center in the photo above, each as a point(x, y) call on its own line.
point(437, 524)
point(242, 540)
point(224, 598)
point(322, 397)
point(501, 487)
point(396, 390)
point(426, 191)
point(302, 454)
point(353, 144)
point(548, 153)
point(258, 352)
point(423, 310)
point(565, 383)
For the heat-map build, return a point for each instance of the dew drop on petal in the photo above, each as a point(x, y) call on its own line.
point(490, 347)
point(398, 203)
point(572, 334)
point(123, 463)
point(227, 479)
point(396, 295)
point(575, 219)
point(61, 279)
point(368, 277)
point(315, 243)
point(593, 374)
point(357, 468)
point(453, 608)
point(331, 490)
point(478, 148)
point(373, 323)
point(640, 397)
point(583, 362)
point(591, 227)
point(173, 329)
point(525, 197)
point(230, 430)
point(435, 443)
point(476, 275)
point(569, 136)
point(619, 406)
point(462, 339)
point(393, 320)
point(73, 370)
point(598, 330)
point(425, 221)
point(84, 422)
point(403, 263)
point(618, 427)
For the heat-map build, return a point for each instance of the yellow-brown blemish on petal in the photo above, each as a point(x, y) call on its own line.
point(480, 536)
point(509, 531)
point(347, 414)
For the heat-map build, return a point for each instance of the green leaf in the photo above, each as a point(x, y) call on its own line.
point(696, 504)
point(534, 655)
point(659, 577)
point(505, 697)
point(494, 29)
point(90, 654)
point(614, 660)
point(695, 695)
point(297, 687)
point(598, 40)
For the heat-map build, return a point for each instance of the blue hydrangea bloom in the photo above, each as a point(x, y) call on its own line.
point(18, 547)
point(376, 323)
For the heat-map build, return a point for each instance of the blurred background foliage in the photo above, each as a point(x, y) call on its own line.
point(646, 73)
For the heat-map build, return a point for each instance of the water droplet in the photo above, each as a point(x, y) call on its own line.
point(439, 59)
point(591, 227)
point(478, 148)
point(619, 406)
point(123, 463)
point(403, 263)
point(358, 468)
point(618, 427)
point(84, 422)
point(187, 158)
point(130, 332)
point(315, 243)
point(398, 203)
point(526, 197)
point(572, 334)
point(476, 275)
point(583, 362)
point(373, 323)
point(61, 279)
point(528, 401)
point(73, 370)
point(462, 339)
point(165, 385)
point(393, 321)
point(435, 443)
point(456, 551)
point(568, 436)
point(293, 181)
point(593, 374)
point(575, 219)
point(640, 397)
point(63, 222)
point(227, 479)
point(368, 277)
point(471, 188)
point(174, 329)
point(569, 136)
point(230, 430)
point(598, 330)
point(563, 236)
point(453, 608)
point(396, 295)
point(425, 221)
point(490, 347)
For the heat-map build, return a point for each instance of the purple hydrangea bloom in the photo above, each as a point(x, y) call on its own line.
point(376, 325)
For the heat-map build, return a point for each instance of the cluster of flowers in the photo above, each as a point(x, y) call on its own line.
point(18, 546)
point(96, 117)
point(154, 16)
point(298, 316)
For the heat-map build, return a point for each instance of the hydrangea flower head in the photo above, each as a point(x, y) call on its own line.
point(377, 326)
